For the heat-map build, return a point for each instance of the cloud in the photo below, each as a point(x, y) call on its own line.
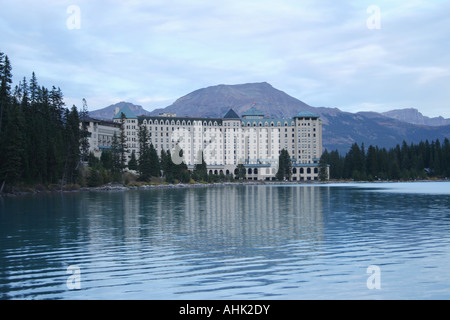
point(318, 51)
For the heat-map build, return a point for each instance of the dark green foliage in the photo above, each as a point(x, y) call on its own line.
point(39, 137)
point(84, 134)
point(132, 164)
point(241, 172)
point(95, 178)
point(200, 169)
point(93, 161)
point(148, 164)
point(404, 162)
point(123, 143)
point(323, 170)
point(116, 164)
point(284, 166)
point(106, 160)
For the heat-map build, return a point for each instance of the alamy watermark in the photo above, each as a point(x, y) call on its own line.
point(73, 22)
point(74, 280)
point(374, 20)
point(374, 280)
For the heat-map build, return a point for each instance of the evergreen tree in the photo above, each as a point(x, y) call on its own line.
point(116, 164)
point(132, 164)
point(95, 178)
point(323, 169)
point(84, 133)
point(72, 141)
point(123, 143)
point(144, 164)
point(155, 168)
point(372, 163)
point(12, 146)
point(106, 160)
point(284, 166)
point(241, 172)
point(200, 169)
point(5, 86)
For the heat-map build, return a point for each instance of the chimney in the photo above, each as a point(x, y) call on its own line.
point(116, 111)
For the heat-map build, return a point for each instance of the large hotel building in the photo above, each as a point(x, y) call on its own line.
point(224, 143)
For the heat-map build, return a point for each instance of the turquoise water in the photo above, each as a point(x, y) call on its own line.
point(229, 242)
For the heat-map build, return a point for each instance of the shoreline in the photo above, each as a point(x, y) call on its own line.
point(121, 187)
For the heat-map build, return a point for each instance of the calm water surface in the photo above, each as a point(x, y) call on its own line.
point(230, 242)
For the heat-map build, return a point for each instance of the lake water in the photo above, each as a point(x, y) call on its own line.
point(230, 242)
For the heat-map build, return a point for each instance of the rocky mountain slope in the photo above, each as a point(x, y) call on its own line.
point(414, 116)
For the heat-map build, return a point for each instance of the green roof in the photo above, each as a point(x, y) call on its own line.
point(306, 114)
point(128, 113)
point(253, 112)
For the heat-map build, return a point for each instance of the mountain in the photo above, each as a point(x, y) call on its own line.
point(340, 129)
point(108, 112)
point(217, 100)
point(414, 116)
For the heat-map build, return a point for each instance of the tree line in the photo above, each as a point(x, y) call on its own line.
point(39, 137)
point(403, 162)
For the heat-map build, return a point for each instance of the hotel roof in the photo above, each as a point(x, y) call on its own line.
point(306, 114)
point(128, 113)
point(253, 112)
point(231, 115)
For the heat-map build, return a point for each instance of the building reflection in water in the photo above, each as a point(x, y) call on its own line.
point(226, 219)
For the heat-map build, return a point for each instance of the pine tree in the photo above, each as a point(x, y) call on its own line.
point(84, 133)
point(284, 166)
point(123, 143)
point(116, 166)
point(323, 169)
point(72, 141)
point(5, 86)
point(241, 172)
point(106, 160)
point(132, 164)
point(144, 162)
point(155, 167)
point(12, 146)
point(200, 169)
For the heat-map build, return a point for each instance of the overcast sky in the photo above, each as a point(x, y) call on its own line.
point(353, 55)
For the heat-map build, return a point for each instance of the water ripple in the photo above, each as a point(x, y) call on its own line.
point(245, 243)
